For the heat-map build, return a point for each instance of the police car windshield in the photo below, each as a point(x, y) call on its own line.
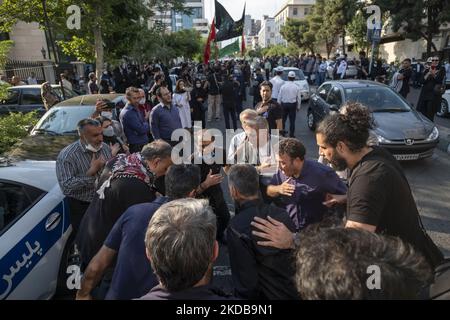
point(63, 120)
point(298, 74)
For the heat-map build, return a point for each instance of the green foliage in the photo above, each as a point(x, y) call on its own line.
point(418, 19)
point(299, 33)
point(15, 127)
point(357, 30)
point(81, 48)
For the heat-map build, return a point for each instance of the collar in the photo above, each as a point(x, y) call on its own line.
point(82, 146)
point(250, 203)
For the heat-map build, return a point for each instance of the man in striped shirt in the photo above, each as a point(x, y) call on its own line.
point(79, 165)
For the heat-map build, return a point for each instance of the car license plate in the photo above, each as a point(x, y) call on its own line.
point(406, 156)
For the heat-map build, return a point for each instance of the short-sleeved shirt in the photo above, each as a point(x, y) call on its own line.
point(133, 276)
point(305, 206)
point(379, 195)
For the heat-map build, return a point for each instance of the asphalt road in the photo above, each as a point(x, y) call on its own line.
point(429, 180)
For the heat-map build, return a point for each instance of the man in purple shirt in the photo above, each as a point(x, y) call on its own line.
point(300, 186)
point(135, 125)
point(164, 118)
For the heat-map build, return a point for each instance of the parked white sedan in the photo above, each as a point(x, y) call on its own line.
point(34, 228)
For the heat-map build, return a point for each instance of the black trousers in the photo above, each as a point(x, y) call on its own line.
point(289, 110)
point(428, 109)
point(77, 209)
point(229, 111)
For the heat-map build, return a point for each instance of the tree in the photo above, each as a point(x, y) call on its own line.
point(5, 46)
point(357, 29)
point(418, 19)
point(299, 33)
point(336, 15)
point(323, 33)
point(110, 25)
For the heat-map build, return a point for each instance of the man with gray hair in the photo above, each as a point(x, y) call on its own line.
point(258, 272)
point(181, 246)
point(79, 165)
point(129, 180)
point(124, 247)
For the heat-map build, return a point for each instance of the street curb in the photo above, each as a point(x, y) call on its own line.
point(444, 139)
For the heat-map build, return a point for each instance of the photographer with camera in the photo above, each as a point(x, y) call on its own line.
point(433, 88)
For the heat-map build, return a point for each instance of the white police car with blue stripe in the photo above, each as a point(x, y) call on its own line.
point(34, 229)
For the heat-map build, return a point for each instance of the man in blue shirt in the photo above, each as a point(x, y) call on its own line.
point(164, 118)
point(135, 125)
point(133, 276)
point(300, 186)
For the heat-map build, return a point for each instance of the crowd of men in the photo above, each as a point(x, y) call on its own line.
point(146, 228)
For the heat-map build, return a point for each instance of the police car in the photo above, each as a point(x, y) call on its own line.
point(35, 254)
point(34, 229)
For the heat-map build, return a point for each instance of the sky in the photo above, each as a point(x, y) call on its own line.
point(255, 8)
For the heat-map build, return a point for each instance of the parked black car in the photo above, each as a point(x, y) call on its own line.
point(406, 133)
point(28, 98)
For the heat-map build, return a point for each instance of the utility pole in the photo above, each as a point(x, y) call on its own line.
point(47, 26)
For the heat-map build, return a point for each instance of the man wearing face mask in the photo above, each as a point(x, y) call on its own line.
point(135, 125)
point(79, 165)
point(129, 180)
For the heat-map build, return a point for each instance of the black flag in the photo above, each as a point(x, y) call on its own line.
point(228, 28)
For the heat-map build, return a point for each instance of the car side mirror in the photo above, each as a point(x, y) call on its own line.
point(334, 107)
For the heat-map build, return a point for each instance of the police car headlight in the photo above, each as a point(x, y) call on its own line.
point(433, 135)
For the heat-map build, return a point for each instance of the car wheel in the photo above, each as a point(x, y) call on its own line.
point(443, 111)
point(311, 121)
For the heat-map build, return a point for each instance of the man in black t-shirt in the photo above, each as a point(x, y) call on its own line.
point(379, 197)
point(268, 108)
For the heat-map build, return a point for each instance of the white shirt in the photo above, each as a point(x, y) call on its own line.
point(342, 67)
point(67, 84)
point(241, 151)
point(289, 93)
point(277, 82)
point(31, 80)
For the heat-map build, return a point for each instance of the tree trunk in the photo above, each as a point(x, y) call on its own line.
point(98, 47)
point(343, 41)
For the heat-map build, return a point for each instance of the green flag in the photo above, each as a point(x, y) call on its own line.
point(230, 49)
point(228, 28)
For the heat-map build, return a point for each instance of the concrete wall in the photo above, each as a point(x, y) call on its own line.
point(28, 42)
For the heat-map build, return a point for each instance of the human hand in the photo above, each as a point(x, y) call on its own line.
point(332, 200)
point(212, 179)
point(97, 164)
point(274, 232)
point(286, 189)
point(115, 148)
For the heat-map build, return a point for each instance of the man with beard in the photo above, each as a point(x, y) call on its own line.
point(300, 186)
point(379, 197)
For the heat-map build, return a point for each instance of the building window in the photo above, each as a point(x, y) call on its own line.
point(272, 35)
point(268, 29)
point(307, 11)
point(295, 11)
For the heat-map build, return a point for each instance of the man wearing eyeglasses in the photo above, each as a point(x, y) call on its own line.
point(433, 88)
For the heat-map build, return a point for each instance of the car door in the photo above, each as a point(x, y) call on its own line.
point(33, 231)
point(319, 101)
point(11, 102)
point(31, 100)
point(335, 98)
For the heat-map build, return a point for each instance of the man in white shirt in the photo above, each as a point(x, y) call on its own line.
point(66, 83)
point(290, 100)
point(32, 79)
point(342, 68)
point(277, 82)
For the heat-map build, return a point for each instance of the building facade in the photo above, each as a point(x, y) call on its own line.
point(266, 36)
point(30, 43)
point(173, 21)
point(292, 9)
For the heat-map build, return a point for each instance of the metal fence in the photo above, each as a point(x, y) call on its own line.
point(23, 70)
